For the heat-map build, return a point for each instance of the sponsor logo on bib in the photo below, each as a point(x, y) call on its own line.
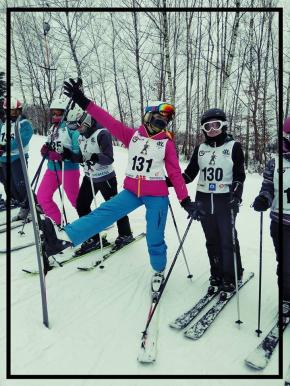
point(212, 187)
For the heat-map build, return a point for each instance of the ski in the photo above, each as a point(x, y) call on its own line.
point(61, 263)
point(106, 244)
point(183, 320)
point(109, 254)
point(287, 378)
point(260, 357)
point(197, 330)
point(18, 247)
point(148, 347)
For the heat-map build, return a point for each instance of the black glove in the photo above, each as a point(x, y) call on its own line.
point(235, 203)
point(73, 90)
point(194, 209)
point(94, 158)
point(261, 204)
point(2, 149)
point(66, 153)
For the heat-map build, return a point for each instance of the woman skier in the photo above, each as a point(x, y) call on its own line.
point(269, 198)
point(219, 161)
point(150, 150)
point(96, 157)
point(58, 137)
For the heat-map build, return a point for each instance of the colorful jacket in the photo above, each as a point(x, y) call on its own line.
point(139, 185)
point(26, 132)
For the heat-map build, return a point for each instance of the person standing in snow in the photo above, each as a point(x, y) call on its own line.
point(144, 183)
point(96, 157)
point(219, 161)
point(17, 187)
point(269, 198)
point(58, 137)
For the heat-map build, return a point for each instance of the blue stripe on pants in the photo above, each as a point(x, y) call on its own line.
point(117, 207)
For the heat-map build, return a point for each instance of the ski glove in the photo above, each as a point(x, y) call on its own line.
point(54, 156)
point(44, 150)
point(73, 90)
point(94, 158)
point(261, 203)
point(66, 153)
point(194, 209)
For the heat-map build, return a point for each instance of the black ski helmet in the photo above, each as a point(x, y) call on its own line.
point(213, 113)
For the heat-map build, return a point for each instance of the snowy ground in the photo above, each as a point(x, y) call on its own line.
point(96, 318)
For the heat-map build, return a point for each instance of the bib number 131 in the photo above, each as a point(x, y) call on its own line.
point(210, 174)
point(139, 163)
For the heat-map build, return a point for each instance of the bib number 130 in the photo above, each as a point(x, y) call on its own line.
point(210, 174)
point(139, 163)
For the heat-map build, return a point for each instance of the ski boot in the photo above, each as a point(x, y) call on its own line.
point(23, 214)
point(227, 288)
point(215, 283)
point(91, 245)
point(52, 244)
point(121, 241)
point(156, 284)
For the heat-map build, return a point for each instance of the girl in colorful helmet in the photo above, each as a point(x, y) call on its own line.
point(96, 156)
point(269, 198)
point(219, 161)
point(150, 150)
point(17, 182)
point(59, 135)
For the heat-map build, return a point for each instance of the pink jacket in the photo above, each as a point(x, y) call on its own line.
point(139, 186)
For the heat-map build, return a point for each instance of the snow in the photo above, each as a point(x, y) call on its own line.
point(96, 318)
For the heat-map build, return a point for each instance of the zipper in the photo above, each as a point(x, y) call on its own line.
point(212, 206)
point(139, 186)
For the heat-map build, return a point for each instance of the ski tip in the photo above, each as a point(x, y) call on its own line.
point(146, 358)
point(256, 363)
point(174, 325)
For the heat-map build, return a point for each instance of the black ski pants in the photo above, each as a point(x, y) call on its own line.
point(108, 190)
point(217, 226)
point(17, 182)
point(274, 229)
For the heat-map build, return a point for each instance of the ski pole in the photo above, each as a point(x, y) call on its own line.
point(167, 277)
point(235, 265)
point(36, 226)
point(179, 239)
point(62, 193)
point(259, 331)
point(95, 202)
point(59, 191)
point(37, 174)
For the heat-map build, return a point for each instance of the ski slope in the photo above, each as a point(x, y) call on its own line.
point(96, 318)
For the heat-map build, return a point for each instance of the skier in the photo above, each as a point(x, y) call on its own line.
point(144, 183)
point(269, 198)
point(17, 182)
point(96, 156)
point(219, 160)
point(58, 136)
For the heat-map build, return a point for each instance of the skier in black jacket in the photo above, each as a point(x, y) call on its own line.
point(269, 198)
point(96, 157)
point(219, 160)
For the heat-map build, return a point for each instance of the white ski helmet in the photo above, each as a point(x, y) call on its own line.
point(14, 104)
point(58, 104)
point(74, 114)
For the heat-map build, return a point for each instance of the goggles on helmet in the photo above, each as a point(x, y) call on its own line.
point(213, 125)
point(164, 108)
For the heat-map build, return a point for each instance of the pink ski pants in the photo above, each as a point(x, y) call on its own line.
point(49, 185)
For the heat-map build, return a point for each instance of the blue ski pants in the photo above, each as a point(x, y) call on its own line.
point(119, 206)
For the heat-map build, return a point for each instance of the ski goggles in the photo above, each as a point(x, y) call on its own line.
point(165, 108)
point(213, 125)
